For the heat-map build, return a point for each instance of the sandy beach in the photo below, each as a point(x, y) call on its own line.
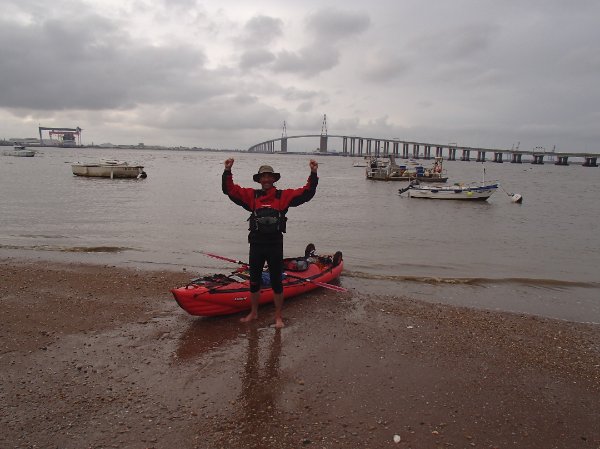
point(102, 357)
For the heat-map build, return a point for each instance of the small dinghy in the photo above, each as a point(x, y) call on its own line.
point(109, 169)
point(19, 151)
point(470, 192)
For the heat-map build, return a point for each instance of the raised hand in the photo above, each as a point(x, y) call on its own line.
point(313, 165)
point(229, 163)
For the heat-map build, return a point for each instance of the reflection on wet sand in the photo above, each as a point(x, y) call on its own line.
point(257, 405)
point(255, 413)
point(206, 334)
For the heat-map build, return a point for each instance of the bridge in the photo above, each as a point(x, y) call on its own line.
point(379, 147)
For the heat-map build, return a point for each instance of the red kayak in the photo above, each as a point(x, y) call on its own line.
point(221, 294)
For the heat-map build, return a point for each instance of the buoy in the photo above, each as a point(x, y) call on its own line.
point(516, 198)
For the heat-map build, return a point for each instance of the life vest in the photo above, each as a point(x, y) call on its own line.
point(267, 219)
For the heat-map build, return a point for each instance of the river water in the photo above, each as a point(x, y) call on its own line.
point(540, 257)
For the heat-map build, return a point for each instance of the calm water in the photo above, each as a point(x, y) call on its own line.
point(540, 257)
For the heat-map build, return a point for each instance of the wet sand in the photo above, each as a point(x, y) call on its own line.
point(102, 357)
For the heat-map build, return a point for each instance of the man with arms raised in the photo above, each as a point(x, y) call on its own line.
point(268, 206)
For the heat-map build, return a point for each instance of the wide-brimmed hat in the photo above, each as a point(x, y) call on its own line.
point(266, 169)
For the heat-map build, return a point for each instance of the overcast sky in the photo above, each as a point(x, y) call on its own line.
point(228, 73)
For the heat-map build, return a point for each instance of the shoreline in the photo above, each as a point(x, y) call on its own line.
point(536, 299)
point(100, 356)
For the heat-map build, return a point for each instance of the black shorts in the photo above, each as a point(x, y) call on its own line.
point(272, 253)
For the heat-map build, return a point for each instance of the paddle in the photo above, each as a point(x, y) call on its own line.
point(320, 284)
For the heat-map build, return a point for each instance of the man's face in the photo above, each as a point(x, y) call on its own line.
point(267, 180)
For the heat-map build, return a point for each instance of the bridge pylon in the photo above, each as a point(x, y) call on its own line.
point(323, 140)
point(284, 138)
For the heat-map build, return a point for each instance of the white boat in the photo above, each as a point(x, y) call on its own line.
point(109, 169)
point(19, 151)
point(467, 192)
point(388, 170)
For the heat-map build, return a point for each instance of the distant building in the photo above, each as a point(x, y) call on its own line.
point(65, 137)
point(29, 141)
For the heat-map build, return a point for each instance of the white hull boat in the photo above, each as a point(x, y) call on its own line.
point(109, 169)
point(19, 151)
point(382, 170)
point(470, 192)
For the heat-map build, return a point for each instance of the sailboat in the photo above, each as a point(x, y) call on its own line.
point(478, 191)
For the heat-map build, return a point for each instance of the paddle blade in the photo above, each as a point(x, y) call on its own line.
point(320, 284)
point(335, 288)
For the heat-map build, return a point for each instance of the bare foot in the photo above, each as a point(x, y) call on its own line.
point(278, 323)
point(250, 317)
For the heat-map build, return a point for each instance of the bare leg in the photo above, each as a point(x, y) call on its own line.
point(254, 297)
point(278, 299)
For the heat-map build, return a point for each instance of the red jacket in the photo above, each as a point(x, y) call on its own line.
point(252, 199)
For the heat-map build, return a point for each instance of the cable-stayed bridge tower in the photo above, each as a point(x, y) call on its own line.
point(284, 138)
point(323, 140)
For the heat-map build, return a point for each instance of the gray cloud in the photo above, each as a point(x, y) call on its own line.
point(295, 94)
point(222, 113)
point(332, 25)
point(261, 30)
point(478, 72)
point(326, 28)
point(256, 58)
point(456, 42)
point(305, 106)
point(256, 35)
point(388, 68)
point(88, 63)
point(308, 62)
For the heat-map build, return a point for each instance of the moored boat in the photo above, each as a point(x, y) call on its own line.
point(380, 170)
point(467, 192)
point(220, 294)
point(109, 169)
point(19, 150)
